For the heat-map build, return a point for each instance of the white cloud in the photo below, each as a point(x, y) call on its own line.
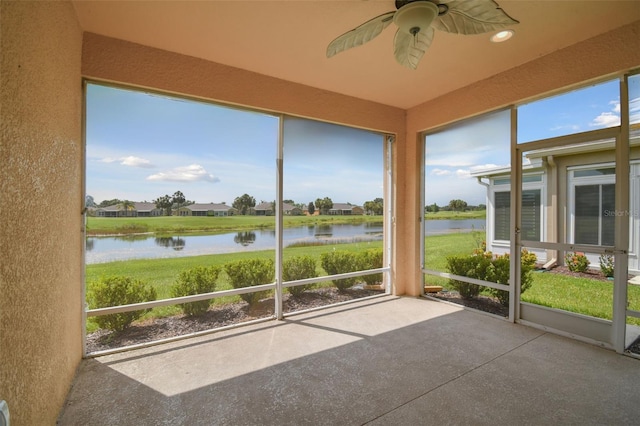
point(136, 162)
point(616, 106)
point(192, 173)
point(634, 110)
point(606, 119)
point(571, 127)
point(108, 160)
point(463, 174)
point(130, 161)
point(440, 172)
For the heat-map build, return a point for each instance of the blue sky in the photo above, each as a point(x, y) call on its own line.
point(451, 155)
point(141, 146)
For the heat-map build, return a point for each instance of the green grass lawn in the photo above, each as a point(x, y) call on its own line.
point(472, 214)
point(439, 247)
point(579, 295)
point(204, 224)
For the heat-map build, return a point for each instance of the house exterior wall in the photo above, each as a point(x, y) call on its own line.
point(561, 216)
point(557, 202)
point(41, 152)
point(599, 56)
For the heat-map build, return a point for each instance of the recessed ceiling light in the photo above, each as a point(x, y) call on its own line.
point(502, 36)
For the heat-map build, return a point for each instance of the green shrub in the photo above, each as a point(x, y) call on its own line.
point(576, 262)
point(472, 266)
point(486, 267)
point(371, 259)
point(250, 272)
point(299, 268)
point(500, 270)
point(197, 280)
point(340, 262)
point(117, 291)
point(606, 265)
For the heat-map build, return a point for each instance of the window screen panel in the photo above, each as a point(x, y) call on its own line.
point(502, 204)
point(531, 215)
point(587, 213)
point(608, 214)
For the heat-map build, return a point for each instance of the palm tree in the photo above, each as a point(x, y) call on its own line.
point(127, 206)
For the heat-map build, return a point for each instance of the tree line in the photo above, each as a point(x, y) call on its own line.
point(243, 204)
point(455, 205)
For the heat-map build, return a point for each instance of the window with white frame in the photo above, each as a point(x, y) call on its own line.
point(592, 192)
point(531, 213)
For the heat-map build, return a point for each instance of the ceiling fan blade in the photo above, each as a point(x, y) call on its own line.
point(473, 17)
point(409, 49)
point(360, 35)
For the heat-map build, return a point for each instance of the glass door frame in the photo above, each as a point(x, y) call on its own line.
point(620, 134)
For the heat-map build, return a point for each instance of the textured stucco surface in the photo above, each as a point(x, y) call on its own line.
point(40, 241)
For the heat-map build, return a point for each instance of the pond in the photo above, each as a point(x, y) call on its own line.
point(149, 246)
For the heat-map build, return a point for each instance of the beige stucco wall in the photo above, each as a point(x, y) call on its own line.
point(603, 55)
point(40, 242)
point(118, 61)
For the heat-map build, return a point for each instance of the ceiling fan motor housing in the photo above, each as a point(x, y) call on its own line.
point(415, 16)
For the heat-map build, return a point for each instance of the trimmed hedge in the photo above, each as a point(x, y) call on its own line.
point(340, 262)
point(117, 291)
point(484, 266)
point(371, 259)
point(250, 272)
point(197, 280)
point(299, 268)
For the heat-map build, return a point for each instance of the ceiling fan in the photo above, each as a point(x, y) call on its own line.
point(417, 20)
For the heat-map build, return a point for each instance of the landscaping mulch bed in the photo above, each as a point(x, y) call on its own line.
point(635, 347)
point(481, 303)
point(217, 316)
point(593, 274)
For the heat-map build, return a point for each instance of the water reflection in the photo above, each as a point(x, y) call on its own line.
point(176, 243)
point(146, 246)
point(324, 230)
point(245, 238)
point(133, 237)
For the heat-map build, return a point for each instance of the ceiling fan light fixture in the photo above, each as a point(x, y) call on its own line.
point(502, 36)
point(415, 17)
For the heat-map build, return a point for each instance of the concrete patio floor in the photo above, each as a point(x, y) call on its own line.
point(384, 361)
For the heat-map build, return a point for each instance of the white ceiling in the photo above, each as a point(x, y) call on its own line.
point(288, 39)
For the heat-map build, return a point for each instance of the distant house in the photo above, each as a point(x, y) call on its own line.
point(211, 209)
point(291, 210)
point(266, 209)
point(344, 209)
point(568, 196)
point(147, 209)
point(137, 210)
point(108, 211)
